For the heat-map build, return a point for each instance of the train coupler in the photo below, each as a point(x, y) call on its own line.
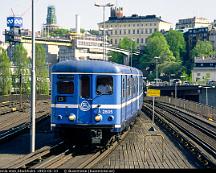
point(96, 136)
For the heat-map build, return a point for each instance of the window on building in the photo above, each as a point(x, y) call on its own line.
point(116, 41)
point(198, 74)
point(150, 30)
point(120, 32)
point(146, 31)
point(141, 40)
point(137, 31)
point(128, 31)
point(125, 31)
point(116, 32)
point(141, 31)
point(137, 24)
point(137, 40)
point(155, 30)
point(134, 31)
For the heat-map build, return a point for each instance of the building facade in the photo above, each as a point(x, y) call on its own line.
point(195, 22)
point(212, 37)
point(204, 69)
point(137, 28)
point(193, 35)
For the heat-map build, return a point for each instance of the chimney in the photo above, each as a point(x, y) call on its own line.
point(77, 24)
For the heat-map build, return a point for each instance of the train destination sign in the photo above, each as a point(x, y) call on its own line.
point(153, 93)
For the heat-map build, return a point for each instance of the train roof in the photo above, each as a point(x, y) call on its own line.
point(93, 66)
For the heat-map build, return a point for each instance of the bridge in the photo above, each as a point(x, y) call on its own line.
point(191, 92)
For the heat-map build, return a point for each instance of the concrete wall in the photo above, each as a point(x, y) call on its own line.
point(211, 96)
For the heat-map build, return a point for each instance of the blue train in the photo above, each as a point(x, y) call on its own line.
point(94, 100)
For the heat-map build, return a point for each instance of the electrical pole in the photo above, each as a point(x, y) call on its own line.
point(33, 84)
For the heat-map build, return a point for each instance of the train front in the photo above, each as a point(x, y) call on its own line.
point(82, 106)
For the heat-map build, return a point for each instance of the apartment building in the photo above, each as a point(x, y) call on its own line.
point(137, 28)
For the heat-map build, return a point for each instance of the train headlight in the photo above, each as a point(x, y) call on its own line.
point(72, 117)
point(98, 117)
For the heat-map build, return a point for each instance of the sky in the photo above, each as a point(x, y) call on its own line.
point(169, 10)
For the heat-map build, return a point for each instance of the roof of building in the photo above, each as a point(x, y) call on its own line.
point(93, 66)
point(205, 60)
point(135, 18)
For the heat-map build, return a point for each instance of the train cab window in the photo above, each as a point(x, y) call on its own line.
point(104, 85)
point(85, 87)
point(65, 87)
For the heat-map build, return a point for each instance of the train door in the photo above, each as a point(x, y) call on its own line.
point(124, 98)
point(84, 110)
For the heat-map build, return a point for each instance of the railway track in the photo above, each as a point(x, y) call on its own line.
point(60, 154)
point(12, 124)
point(198, 135)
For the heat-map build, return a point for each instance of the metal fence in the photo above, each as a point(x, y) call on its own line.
point(207, 112)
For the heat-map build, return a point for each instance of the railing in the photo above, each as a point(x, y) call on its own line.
point(208, 112)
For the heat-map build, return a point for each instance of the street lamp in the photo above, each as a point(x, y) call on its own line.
point(104, 5)
point(156, 62)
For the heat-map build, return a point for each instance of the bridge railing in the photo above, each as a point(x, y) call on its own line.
point(201, 110)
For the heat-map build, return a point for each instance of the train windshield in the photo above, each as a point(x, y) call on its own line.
point(104, 85)
point(65, 87)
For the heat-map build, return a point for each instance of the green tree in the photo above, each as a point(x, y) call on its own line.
point(22, 70)
point(156, 46)
point(5, 73)
point(202, 49)
point(94, 32)
point(176, 42)
point(41, 70)
point(126, 44)
point(116, 57)
point(60, 32)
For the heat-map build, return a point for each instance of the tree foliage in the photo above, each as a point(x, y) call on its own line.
point(41, 70)
point(202, 49)
point(22, 69)
point(176, 42)
point(126, 44)
point(5, 73)
point(60, 32)
point(156, 46)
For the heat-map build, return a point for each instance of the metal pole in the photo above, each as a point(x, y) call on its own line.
point(153, 110)
point(104, 33)
point(206, 96)
point(176, 90)
point(156, 71)
point(131, 54)
point(33, 83)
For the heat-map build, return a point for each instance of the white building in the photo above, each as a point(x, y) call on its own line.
point(195, 22)
point(204, 69)
point(135, 27)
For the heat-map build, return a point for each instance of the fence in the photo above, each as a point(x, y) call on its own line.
point(208, 112)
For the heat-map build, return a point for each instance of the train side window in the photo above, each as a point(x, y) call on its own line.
point(85, 87)
point(128, 86)
point(104, 85)
point(65, 87)
point(123, 88)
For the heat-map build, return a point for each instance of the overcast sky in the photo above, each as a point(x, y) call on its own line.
point(169, 10)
